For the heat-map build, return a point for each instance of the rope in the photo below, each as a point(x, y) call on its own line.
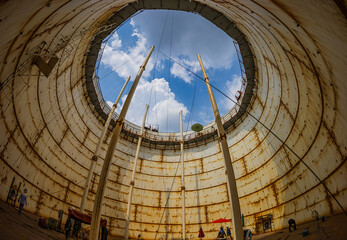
point(169, 78)
point(191, 107)
point(168, 197)
point(155, 68)
point(268, 129)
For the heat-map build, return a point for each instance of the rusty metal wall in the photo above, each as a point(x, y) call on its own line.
point(49, 129)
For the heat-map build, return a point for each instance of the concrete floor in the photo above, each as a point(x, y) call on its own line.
point(334, 227)
point(14, 226)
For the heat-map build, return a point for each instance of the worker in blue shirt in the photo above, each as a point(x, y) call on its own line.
point(22, 200)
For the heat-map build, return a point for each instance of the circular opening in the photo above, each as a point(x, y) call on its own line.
point(173, 80)
point(244, 61)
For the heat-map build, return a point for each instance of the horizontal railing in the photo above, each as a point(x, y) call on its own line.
point(162, 136)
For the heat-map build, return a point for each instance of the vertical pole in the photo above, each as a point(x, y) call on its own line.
point(133, 175)
point(97, 149)
point(9, 191)
point(95, 223)
point(183, 184)
point(15, 199)
point(231, 182)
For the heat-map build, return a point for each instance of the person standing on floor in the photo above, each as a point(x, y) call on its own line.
point(22, 200)
point(229, 233)
point(221, 234)
point(292, 224)
point(247, 234)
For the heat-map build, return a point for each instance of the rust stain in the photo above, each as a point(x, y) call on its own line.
point(39, 202)
point(333, 138)
point(93, 184)
point(206, 214)
point(39, 134)
point(135, 212)
point(287, 110)
point(140, 164)
point(273, 187)
point(66, 192)
point(9, 138)
point(85, 136)
point(159, 199)
point(328, 199)
point(202, 165)
point(244, 166)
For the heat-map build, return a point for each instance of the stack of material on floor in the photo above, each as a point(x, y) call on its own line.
point(43, 222)
point(52, 223)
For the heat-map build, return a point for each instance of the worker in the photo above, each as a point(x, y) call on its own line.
point(104, 233)
point(13, 196)
point(221, 234)
point(67, 227)
point(247, 234)
point(291, 223)
point(22, 200)
point(229, 233)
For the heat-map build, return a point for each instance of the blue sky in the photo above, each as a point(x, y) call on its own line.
point(166, 86)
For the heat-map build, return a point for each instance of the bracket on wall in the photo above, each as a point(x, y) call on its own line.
point(45, 68)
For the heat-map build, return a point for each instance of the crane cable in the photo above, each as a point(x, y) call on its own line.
point(155, 68)
point(169, 78)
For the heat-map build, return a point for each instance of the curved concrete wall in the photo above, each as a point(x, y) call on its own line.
point(49, 127)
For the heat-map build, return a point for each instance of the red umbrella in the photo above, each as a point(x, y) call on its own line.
point(201, 233)
point(221, 220)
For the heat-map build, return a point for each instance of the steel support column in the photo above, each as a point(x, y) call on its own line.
point(97, 149)
point(95, 223)
point(183, 184)
point(233, 195)
point(133, 175)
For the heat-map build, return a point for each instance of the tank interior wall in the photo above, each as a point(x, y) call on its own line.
point(49, 129)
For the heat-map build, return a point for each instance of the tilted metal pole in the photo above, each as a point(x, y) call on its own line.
point(235, 204)
point(95, 223)
point(133, 176)
point(183, 184)
point(97, 149)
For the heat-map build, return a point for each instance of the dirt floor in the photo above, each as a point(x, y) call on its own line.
point(24, 226)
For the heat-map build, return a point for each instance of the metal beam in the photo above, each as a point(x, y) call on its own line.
point(183, 184)
point(97, 149)
point(95, 223)
point(133, 175)
point(232, 190)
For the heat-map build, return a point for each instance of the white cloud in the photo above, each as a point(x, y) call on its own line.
point(164, 108)
point(115, 41)
point(181, 72)
point(199, 36)
point(126, 62)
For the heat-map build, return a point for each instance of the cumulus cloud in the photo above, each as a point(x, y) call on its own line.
point(127, 61)
point(164, 108)
point(116, 42)
point(178, 71)
point(199, 36)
